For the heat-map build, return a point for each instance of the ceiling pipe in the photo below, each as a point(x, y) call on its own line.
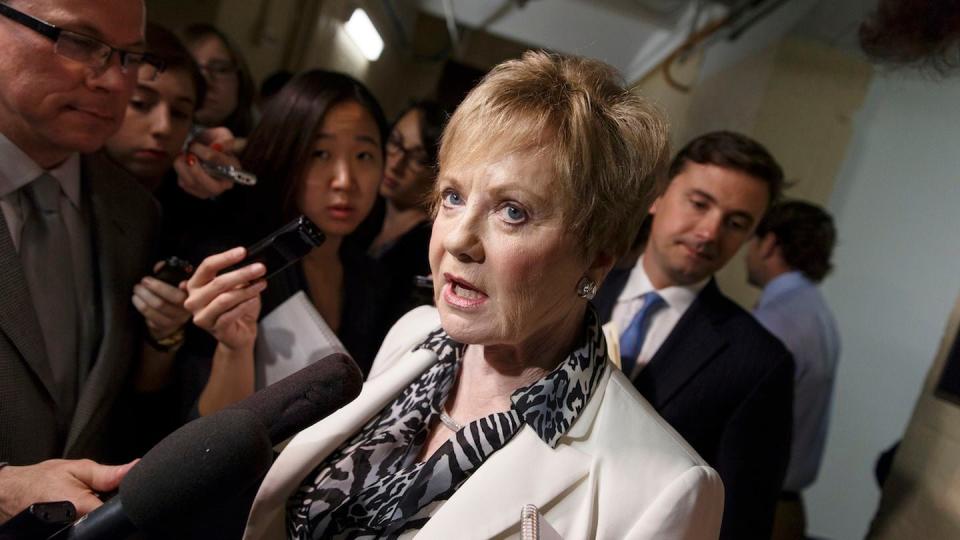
point(452, 26)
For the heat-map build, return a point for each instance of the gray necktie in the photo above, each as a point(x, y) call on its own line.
point(48, 264)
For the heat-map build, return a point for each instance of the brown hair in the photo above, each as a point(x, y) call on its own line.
point(432, 118)
point(240, 120)
point(924, 33)
point(166, 45)
point(732, 151)
point(608, 146)
point(805, 234)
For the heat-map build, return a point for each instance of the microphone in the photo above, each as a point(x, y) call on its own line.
point(299, 400)
point(214, 458)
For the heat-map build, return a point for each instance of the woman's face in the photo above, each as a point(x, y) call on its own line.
point(341, 180)
point(505, 269)
point(223, 83)
point(156, 123)
point(408, 176)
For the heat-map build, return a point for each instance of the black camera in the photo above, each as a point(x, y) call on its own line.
point(174, 270)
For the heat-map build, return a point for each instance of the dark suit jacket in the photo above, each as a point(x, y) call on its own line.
point(726, 385)
point(124, 221)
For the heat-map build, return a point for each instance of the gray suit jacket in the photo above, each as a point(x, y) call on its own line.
point(124, 225)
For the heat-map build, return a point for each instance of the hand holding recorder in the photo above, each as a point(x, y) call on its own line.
point(209, 166)
point(159, 298)
point(224, 291)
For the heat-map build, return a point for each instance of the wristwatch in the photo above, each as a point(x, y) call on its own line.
point(166, 344)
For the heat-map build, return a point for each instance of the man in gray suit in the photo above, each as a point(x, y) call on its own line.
point(75, 237)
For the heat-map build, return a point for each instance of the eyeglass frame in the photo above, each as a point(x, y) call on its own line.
point(229, 68)
point(395, 141)
point(53, 33)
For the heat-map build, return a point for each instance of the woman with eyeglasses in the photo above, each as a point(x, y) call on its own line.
point(402, 245)
point(227, 115)
point(230, 89)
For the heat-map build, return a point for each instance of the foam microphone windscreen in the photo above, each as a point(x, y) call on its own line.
point(302, 398)
point(207, 460)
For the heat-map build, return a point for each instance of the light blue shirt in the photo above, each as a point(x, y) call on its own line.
point(792, 308)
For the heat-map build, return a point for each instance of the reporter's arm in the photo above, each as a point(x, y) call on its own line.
point(227, 306)
point(165, 317)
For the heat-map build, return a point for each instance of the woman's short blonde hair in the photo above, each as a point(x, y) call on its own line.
point(609, 147)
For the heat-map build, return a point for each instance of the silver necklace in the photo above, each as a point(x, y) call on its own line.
point(450, 423)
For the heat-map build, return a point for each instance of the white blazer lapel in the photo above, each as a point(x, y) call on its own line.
point(525, 471)
point(306, 450)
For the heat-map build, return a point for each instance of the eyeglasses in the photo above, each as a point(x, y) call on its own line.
point(87, 50)
point(416, 158)
point(219, 68)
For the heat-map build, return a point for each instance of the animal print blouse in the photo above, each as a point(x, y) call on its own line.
point(374, 487)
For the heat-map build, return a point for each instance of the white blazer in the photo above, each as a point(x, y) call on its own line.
point(620, 472)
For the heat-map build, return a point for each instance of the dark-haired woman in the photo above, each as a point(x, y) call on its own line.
point(230, 89)
point(401, 247)
point(319, 152)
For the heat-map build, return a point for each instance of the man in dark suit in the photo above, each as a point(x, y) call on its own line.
point(75, 237)
point(717, 376)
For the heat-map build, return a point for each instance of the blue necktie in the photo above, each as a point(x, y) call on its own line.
point(631, 341)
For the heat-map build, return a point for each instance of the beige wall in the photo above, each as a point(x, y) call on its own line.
point(673, 102)
point(305, 34)
point(402, 73)
point(262, 30)
point(797, 97)
point(394, 78)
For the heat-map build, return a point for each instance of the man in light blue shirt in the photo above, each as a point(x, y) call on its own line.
point(788, 256)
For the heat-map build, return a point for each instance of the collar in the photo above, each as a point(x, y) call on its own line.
point(552, 404)
point(678, 297)
point(18, 170)
point(783, 284)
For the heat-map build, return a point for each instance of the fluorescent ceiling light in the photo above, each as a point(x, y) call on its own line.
point(364, 35)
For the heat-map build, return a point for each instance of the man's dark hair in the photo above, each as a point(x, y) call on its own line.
point(805, 234)
point(732, 151)
point(923, 33)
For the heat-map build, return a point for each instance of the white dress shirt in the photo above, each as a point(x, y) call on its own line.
point(677, 299)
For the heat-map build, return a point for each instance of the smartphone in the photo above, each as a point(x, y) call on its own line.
point(283, 247)
point(174, 270)
point(39, 520)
